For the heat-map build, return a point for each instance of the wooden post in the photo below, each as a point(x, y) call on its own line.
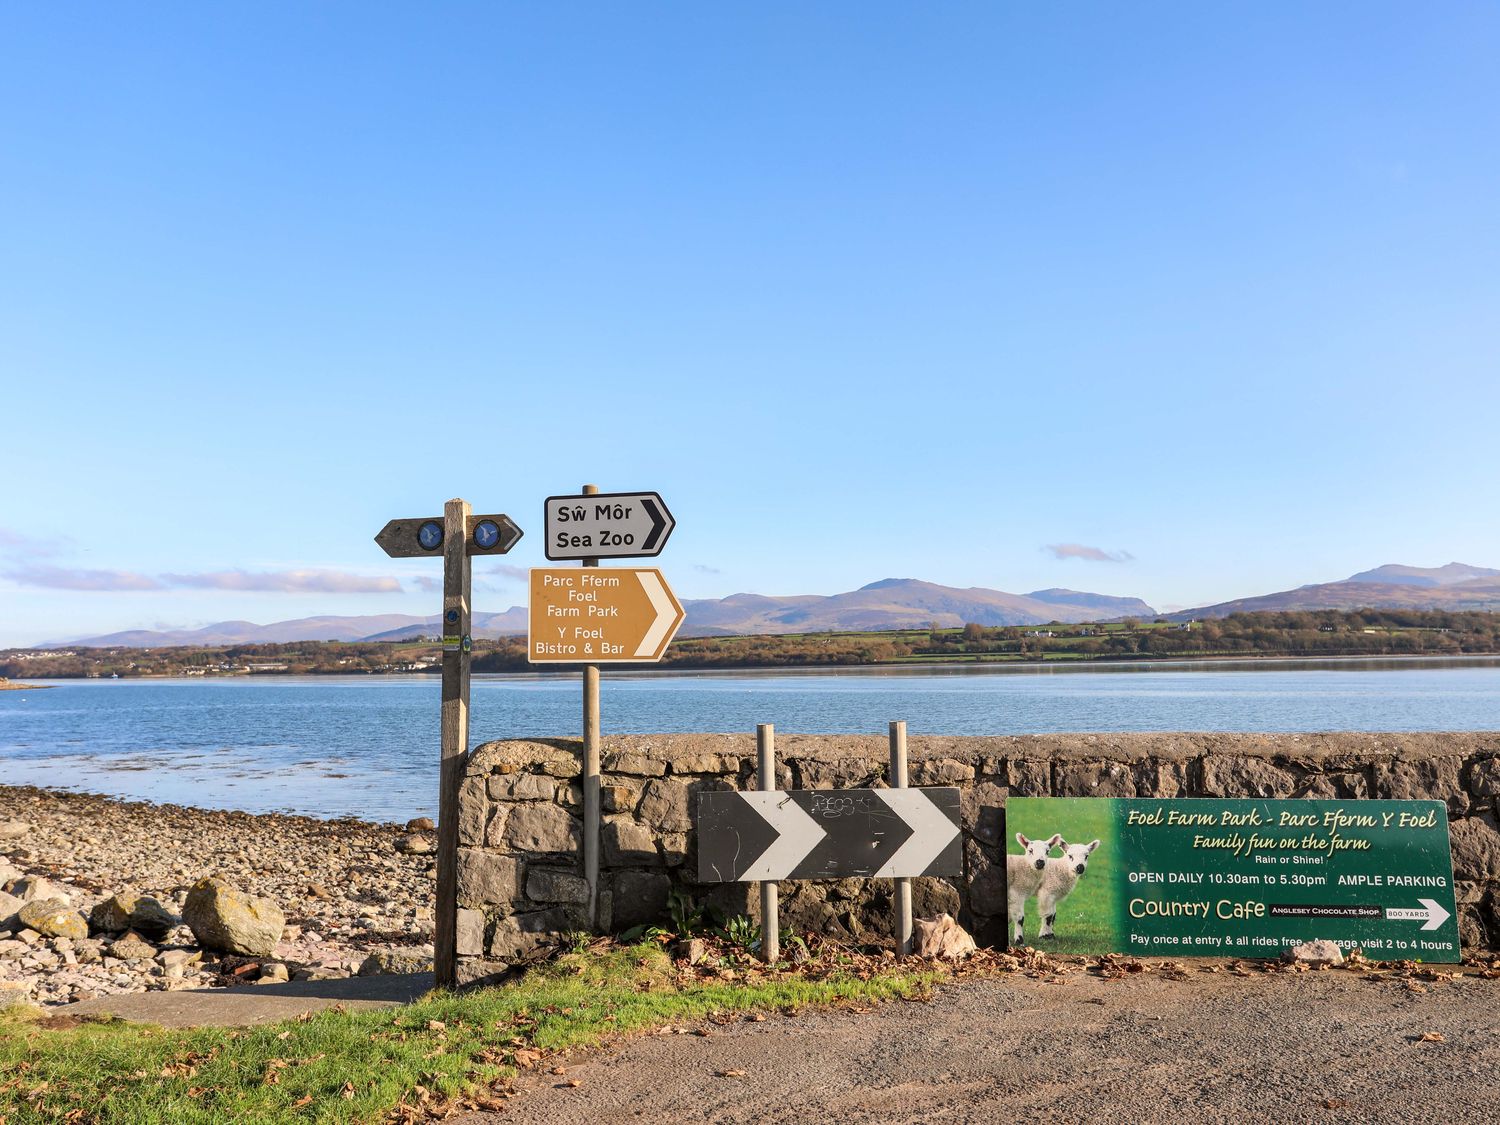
point(903, 886)
point(592, 809)
point(457, 617)
point(770, 922)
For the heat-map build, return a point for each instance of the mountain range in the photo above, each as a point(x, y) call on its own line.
point(891, 603)
point(1454, 587)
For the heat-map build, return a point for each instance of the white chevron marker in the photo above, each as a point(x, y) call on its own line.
point(931, 832)
point(798, 835)
point(1433, 916)
point(666, 612)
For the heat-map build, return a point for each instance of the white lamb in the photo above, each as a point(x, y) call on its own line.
point(1059, 878)
point(1023, 877)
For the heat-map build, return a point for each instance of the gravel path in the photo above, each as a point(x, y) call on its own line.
point(1316, 1047)
point(344, 886)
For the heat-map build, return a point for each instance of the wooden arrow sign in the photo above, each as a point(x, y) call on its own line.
point(828, 834)
point(487, 535)
point(600, 615)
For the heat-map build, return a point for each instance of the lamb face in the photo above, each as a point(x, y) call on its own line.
point(1076, 856)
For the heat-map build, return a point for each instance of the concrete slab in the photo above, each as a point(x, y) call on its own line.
point(254, 1004)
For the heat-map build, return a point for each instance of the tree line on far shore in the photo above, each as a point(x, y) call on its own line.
point(1368, 632)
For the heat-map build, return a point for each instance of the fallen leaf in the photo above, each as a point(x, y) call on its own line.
point(305, 1099)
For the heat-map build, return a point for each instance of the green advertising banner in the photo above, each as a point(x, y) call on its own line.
point(1230, 878)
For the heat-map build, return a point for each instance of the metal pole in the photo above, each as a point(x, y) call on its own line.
point(592, 808)
point(457, 616)
point(770, 921)
point(903, 886)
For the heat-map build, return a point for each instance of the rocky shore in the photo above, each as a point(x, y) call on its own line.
point(351, 896)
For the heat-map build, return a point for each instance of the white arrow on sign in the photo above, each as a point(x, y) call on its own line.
point(1432, 914)
point(931, 831)
point(666, 612)
point(798, 835)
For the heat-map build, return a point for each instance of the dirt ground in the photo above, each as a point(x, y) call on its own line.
point(1320, 1047)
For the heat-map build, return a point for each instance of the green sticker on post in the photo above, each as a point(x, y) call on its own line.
point(1230, 878)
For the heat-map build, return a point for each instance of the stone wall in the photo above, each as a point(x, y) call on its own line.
point(520, 880)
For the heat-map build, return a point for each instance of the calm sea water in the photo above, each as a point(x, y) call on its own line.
point(367, 746)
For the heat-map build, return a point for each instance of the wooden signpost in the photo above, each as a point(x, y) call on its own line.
point(457, 536)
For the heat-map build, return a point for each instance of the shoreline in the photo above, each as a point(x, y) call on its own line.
point(895, 666)
point(357, 895)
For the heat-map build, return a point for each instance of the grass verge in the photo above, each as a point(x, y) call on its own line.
point(399, 1064)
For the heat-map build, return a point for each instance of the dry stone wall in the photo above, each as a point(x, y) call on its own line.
point(520, 874)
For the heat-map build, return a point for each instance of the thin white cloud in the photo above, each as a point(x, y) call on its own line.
point(1088, 554)
point(287, 582)
point(69, 578)
point(13, 542)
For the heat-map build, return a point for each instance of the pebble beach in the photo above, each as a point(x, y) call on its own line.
point(356, 896)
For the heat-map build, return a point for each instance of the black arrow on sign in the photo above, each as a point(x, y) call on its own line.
point(661, 519)
point(828, 834)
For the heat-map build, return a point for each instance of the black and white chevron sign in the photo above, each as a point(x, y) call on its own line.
point(828, 834)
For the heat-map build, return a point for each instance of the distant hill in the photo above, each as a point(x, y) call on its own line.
point(1454, 574)
point(892, 603)
point(1454, 587)
point(899, 603)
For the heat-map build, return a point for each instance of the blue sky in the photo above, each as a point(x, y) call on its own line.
point(864, 290)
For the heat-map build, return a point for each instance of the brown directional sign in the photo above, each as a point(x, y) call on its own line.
point(487, 535)
point(599, 615)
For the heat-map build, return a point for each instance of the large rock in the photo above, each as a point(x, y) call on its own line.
point(13, 992)
point(413, 959)
point(485, 878)
point(941, 937)
point(35, 888)
point(54, 918)
point(1476, 849)
point(1320, 952)
point(640, 898)
point(127, 911)
point(542, 828)
point(664, 805)
point(131, 948)
point(230, 921)
point(469, 933)
point(13, 829)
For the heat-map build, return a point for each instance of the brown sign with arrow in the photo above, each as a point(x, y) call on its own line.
point(591, 615)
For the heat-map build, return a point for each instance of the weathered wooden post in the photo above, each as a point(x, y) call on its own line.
point(457, 617)
point(457, 536)
point(770, 922)
point(903, 885)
